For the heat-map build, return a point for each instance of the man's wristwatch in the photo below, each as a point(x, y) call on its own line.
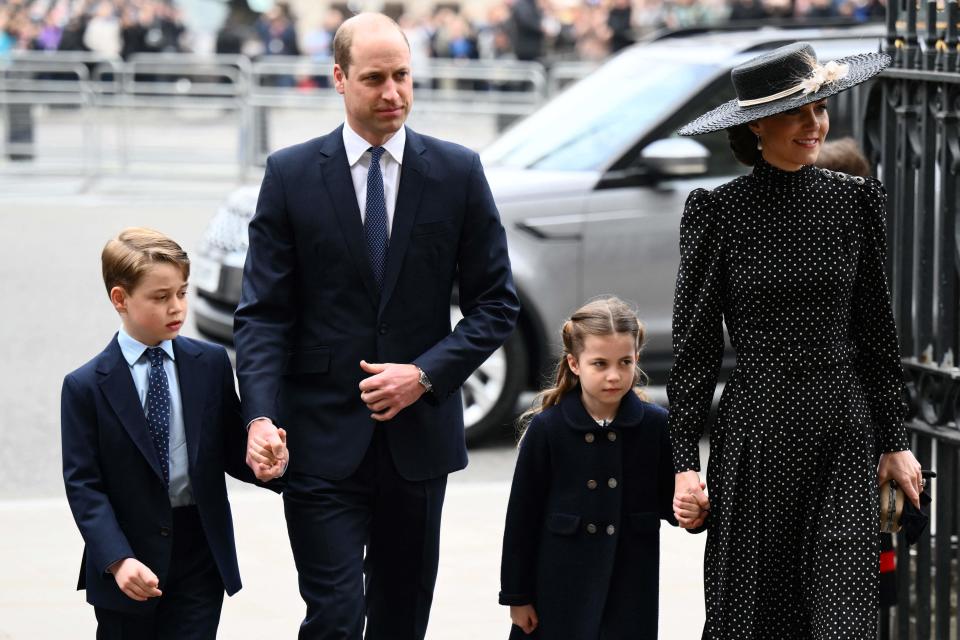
point(425, 381)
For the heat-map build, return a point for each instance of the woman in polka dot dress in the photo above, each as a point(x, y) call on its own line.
point(791, 258)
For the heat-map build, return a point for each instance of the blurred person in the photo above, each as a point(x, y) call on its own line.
point(683, 14)
point(790, 258)
point(844, 155)
point(148, 429)
point(820, 9)
point(102, 33)
point(493, 37)
point(50, 33)
point(527, 29)
point(591, 32)
point(360, 364)
point(750, 10)
point(620, 24)
point(778, 9)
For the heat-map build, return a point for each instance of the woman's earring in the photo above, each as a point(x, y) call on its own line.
point(759, 143)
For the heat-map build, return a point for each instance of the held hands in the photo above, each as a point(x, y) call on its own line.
point(390, 388)
point(135, 579)
point(904, 468)
point(267, 454)
point(690, 504)
point(525, 617)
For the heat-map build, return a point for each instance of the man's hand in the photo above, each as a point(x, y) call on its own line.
point(267, 454)
point(904, 468)
point(135, 579)
point(525, 617)
point(390, 388)
point(690, 504)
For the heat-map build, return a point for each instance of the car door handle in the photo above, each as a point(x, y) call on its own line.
point(568, 227)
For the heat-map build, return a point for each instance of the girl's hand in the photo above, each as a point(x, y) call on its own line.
point(687, 511)
point(904, 468)
point(687, 485)
point(524, 617)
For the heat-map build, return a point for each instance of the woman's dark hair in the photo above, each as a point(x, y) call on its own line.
point(743, 143)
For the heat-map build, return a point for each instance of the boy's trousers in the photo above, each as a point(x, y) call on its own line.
point(189, 608)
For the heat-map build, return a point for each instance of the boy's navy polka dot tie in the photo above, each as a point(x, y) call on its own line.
point(158, 410)
point(375, 224)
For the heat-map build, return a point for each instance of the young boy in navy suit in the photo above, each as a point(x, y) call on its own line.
point(148, 428)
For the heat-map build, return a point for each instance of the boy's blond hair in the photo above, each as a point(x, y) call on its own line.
point(126, 258)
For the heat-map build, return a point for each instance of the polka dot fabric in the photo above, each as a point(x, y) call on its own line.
point(158, 410)
point(792, 262)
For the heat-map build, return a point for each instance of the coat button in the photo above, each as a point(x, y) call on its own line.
point(591, 528)
point(612, 483)
point(611, 436)
point(383, 328)
point(611, 529)
point(588, 438)
point(591, 484)
point(164, 531)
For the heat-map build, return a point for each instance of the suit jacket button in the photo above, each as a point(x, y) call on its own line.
point(611, 436)
point(591, 528)
point(611, 529)
point(612, 483)
point(383, 328)
point(165, 531)
point(591, 484)
point(588, 438)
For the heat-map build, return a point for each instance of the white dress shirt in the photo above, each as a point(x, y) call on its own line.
point(134, 352)
point(358, 155)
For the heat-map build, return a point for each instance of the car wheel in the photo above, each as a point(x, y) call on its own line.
point(490, 394)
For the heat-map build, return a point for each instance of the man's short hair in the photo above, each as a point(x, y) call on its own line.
point(343, 41)
point(128, 256)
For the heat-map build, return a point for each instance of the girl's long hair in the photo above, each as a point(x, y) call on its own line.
point(599, 317)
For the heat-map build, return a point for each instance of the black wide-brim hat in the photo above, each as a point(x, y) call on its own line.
point(784, 79)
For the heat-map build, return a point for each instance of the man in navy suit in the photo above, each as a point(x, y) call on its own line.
point(148, 428)
point(343, 337)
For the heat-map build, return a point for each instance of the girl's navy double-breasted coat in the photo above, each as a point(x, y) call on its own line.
point(582, 541)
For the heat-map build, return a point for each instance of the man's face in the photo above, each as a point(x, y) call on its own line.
point(378, 92)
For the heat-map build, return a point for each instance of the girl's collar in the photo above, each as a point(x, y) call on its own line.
point(630, 413)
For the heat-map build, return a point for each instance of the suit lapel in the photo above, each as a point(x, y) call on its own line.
point(339, 183)
point(117, 385)
point(191, 379)
point(412, 177)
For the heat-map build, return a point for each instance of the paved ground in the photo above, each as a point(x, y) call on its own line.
point(56, 316)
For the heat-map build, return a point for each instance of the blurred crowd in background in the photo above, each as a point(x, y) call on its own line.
point(491, 30)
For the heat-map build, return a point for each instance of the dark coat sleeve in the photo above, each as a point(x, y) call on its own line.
point(264, 319)
point(665, 477)
point(83, 479)
point(873, 329)
point(525, 512)
point(697, 327)
point(488, 298)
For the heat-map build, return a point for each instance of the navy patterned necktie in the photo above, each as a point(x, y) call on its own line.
point(158, 410)
point(375, 223)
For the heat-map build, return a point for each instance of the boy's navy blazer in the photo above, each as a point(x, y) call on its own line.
point(310, 308)
point(112, 472)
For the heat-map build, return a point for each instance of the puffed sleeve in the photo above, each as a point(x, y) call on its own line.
point(697, 327)
point(521, 535)
point(872, 326)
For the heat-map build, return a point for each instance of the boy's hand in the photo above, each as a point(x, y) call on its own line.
point(525, 617)
point(267, 454)
point(135, 579)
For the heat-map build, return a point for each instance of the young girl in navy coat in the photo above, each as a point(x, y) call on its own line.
point(594, 477)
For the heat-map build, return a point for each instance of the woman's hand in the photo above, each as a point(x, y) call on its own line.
point(525, 617)
point(904, 468)
point(690, 503)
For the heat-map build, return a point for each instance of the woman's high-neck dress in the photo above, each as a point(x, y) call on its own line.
point(792, 262)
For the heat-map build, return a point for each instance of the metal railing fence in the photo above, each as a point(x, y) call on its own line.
point(915, 139)
point(87, 115)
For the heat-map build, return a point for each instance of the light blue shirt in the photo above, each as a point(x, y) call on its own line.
point(135, 353)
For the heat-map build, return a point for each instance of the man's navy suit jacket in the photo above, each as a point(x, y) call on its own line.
point(310, 309)
point(112, 472)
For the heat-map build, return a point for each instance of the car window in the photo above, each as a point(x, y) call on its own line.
point(585, 127)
